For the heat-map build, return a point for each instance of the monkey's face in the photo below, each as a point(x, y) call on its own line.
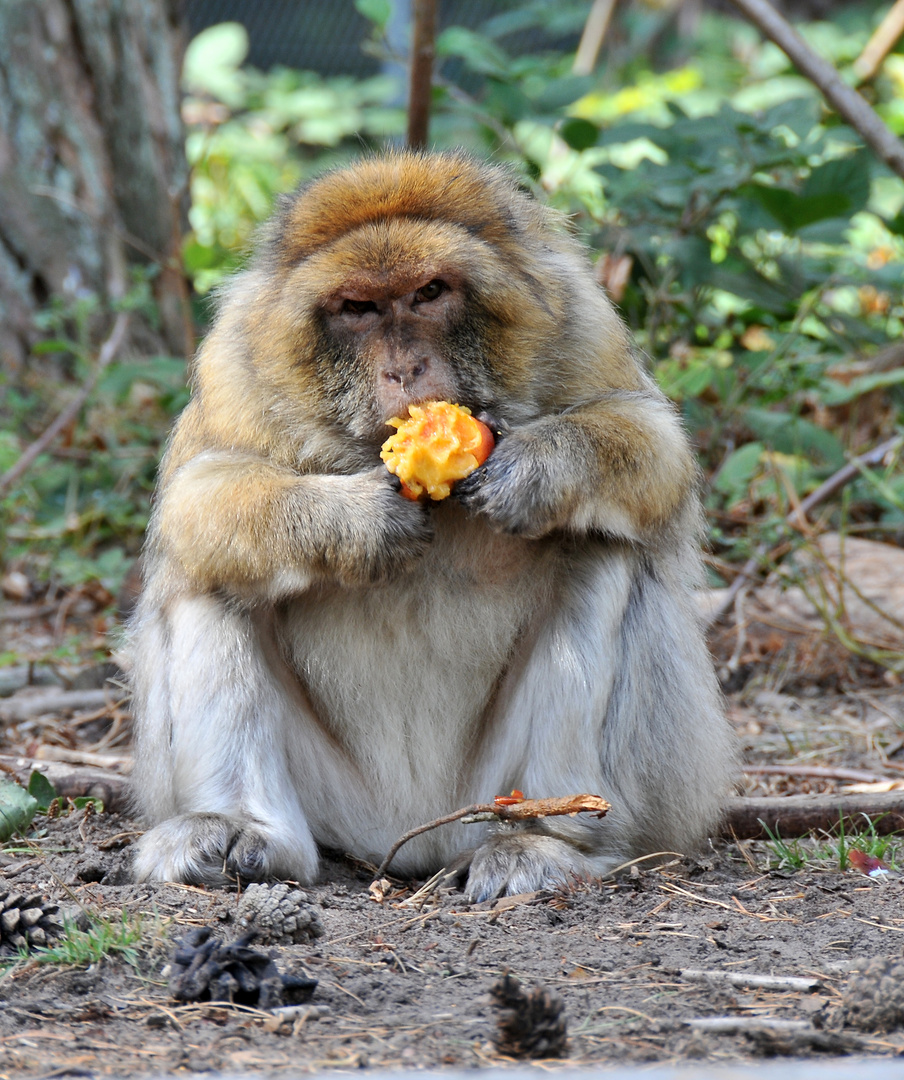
point(399, 324)
point(400, 314)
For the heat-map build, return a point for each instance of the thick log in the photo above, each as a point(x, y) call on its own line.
point(798, 815)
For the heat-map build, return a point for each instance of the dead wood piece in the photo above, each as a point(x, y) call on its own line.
point(26, 704)
point(116, 763)
point(732, 1025)
point(798, 815)
point(110, 788)
point(751, 981)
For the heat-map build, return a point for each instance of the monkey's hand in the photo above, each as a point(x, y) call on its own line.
point(528, 486)
point(380, 533)
point(238, 523)
point(619, 466)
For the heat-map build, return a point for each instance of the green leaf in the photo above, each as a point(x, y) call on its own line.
point(212, 62)
point(561, 92)
point(836, 393)
point(376, 11)
point(41, 790)
point(479, 53)
point(795, 435)
point(837, 189)
point(579, 134)
point(17, 808)
point(739, 469)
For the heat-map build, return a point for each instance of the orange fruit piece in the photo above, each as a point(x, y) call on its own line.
point(436, 445)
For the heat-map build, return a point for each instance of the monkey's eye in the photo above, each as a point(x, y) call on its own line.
point(430, 291)
point(358, 307)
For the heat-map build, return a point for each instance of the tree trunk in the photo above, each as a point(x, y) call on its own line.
point(92, 166)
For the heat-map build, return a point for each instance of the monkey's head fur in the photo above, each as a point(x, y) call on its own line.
point(404, 278)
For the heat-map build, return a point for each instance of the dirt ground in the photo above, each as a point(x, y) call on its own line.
point(404, 979)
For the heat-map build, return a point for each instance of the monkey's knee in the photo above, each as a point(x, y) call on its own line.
point(517, 861)
point(216, 850)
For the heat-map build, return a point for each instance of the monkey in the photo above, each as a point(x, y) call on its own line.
point(320, 663)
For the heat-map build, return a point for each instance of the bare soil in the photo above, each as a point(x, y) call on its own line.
point(404, 980)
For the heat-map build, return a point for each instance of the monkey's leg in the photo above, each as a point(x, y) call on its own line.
point(616, 696)
point(215, 719)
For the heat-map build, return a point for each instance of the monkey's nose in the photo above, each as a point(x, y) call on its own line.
point(406, 373)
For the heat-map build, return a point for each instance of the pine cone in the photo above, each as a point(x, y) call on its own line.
point(873, 999)
point(27, 921)
point(202, 968)
point(531, 1024)
point(280, 915)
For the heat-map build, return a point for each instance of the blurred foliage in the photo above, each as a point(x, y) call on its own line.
point(752, 242)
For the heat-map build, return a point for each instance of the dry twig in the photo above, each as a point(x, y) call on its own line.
point(881, 43)
point(819, 772)
point(522, 810)
point(750, 980)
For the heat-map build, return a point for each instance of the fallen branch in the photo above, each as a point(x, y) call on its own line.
point(821, 772)
point(72, 783)
point(108, 351)
point(54, 702)
point(733, 1025)
point(751, 981)
point(799, 815)
point(796, 517)
point(844, 100)
point(519, 810)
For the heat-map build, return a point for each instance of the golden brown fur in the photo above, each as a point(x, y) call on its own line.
point(320, 661)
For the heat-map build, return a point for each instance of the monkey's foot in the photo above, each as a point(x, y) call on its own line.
point(519, 862)
point(212, 849)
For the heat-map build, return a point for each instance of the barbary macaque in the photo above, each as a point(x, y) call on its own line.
point(320, 662)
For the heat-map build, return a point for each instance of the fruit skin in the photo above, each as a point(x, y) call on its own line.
point(436, 445)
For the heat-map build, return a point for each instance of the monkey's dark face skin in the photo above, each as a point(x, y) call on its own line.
point(386, 346)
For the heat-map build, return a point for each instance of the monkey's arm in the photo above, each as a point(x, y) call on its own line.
point(235, 521)
point(620, 465)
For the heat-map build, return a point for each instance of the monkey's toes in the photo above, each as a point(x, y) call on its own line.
point(191, 848)
point(216, 850)
point(515, 862)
